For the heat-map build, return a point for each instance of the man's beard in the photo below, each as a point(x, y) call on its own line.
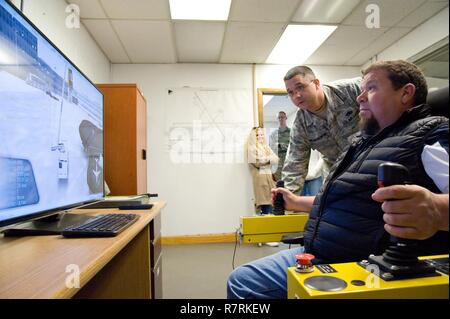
point(369, 126)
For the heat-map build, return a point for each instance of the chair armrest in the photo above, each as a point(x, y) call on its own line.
point(294, 238)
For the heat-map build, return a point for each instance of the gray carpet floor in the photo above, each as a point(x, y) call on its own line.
point(200, 271)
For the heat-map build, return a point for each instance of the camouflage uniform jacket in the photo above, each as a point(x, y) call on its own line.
point(330, 136)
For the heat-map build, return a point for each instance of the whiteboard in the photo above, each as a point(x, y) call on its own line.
point(207, 125)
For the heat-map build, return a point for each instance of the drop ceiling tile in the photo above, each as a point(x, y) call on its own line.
point(137, 9)
point(199, 41)
point(90, 9)
point(385, 40)
point(337, 49)
point(142, 32)
point(249, 42)
point(423, 13)
point(324, 11)
point(330, 54)
point(262, 10)
point(391, 12)
point(106, 38)
point(146, 41)
point(354, 37)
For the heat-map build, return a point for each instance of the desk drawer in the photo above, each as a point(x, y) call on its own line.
point(155, 250)
point(156, 274)
point(155, 227)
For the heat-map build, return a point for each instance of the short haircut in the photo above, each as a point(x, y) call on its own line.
point(302, 70)
point(400, 73)
point(283, 113)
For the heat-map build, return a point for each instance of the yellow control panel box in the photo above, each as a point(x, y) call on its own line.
point(270, 228)
point(352, 281)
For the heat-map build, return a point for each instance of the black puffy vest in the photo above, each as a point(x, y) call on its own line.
point(345, 224)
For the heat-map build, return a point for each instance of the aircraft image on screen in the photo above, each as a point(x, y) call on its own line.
point(92, 139)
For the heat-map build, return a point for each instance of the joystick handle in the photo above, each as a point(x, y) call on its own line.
point(278, 204)
point(393, 174)
point(399, 260)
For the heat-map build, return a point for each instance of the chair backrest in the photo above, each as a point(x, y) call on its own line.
point(438, 101)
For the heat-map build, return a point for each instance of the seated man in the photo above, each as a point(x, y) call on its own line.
point(346, 220)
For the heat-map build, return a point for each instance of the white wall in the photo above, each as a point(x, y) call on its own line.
point(201, 198)
point(76, 43)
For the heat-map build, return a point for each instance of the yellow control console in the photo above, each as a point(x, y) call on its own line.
point(351, 280)
point(269, 228)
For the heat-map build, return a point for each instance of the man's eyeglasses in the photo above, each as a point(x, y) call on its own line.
point(299, 88)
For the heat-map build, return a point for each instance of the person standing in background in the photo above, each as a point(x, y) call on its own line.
point(279, 142)
point(261, 158)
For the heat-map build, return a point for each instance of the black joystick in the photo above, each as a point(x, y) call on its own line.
point(400, 260)
point(402, 250)
point(278, 204)
point(392, 174)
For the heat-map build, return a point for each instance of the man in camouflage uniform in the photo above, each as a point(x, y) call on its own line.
point(327, 117)
point(279, 142)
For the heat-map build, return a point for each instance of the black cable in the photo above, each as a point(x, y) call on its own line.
point(235, 245)
point(21, 6)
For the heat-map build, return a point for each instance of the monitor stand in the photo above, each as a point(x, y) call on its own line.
point(50, 225)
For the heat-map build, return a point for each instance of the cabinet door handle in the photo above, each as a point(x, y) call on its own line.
point(144, 154)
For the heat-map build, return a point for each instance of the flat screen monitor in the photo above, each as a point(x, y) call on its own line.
point(51, 125)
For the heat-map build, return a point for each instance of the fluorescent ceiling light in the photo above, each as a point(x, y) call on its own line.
point(200, 9)
point(298, 42)
point(324, 11)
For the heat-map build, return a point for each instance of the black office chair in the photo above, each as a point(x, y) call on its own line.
point(437, 100)
point(293, 239)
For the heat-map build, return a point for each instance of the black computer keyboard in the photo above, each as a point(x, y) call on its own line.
point(101, 226)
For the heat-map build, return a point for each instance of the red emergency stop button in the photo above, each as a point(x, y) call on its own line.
point(304, 259)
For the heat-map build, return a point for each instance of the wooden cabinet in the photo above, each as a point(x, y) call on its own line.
point(125, 137)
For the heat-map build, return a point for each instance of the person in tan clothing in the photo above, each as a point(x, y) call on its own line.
point(261, 158)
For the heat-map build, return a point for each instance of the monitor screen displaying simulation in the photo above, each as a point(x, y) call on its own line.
point(51, 125)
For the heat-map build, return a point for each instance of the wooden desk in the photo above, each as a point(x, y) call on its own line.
point(113, 267)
